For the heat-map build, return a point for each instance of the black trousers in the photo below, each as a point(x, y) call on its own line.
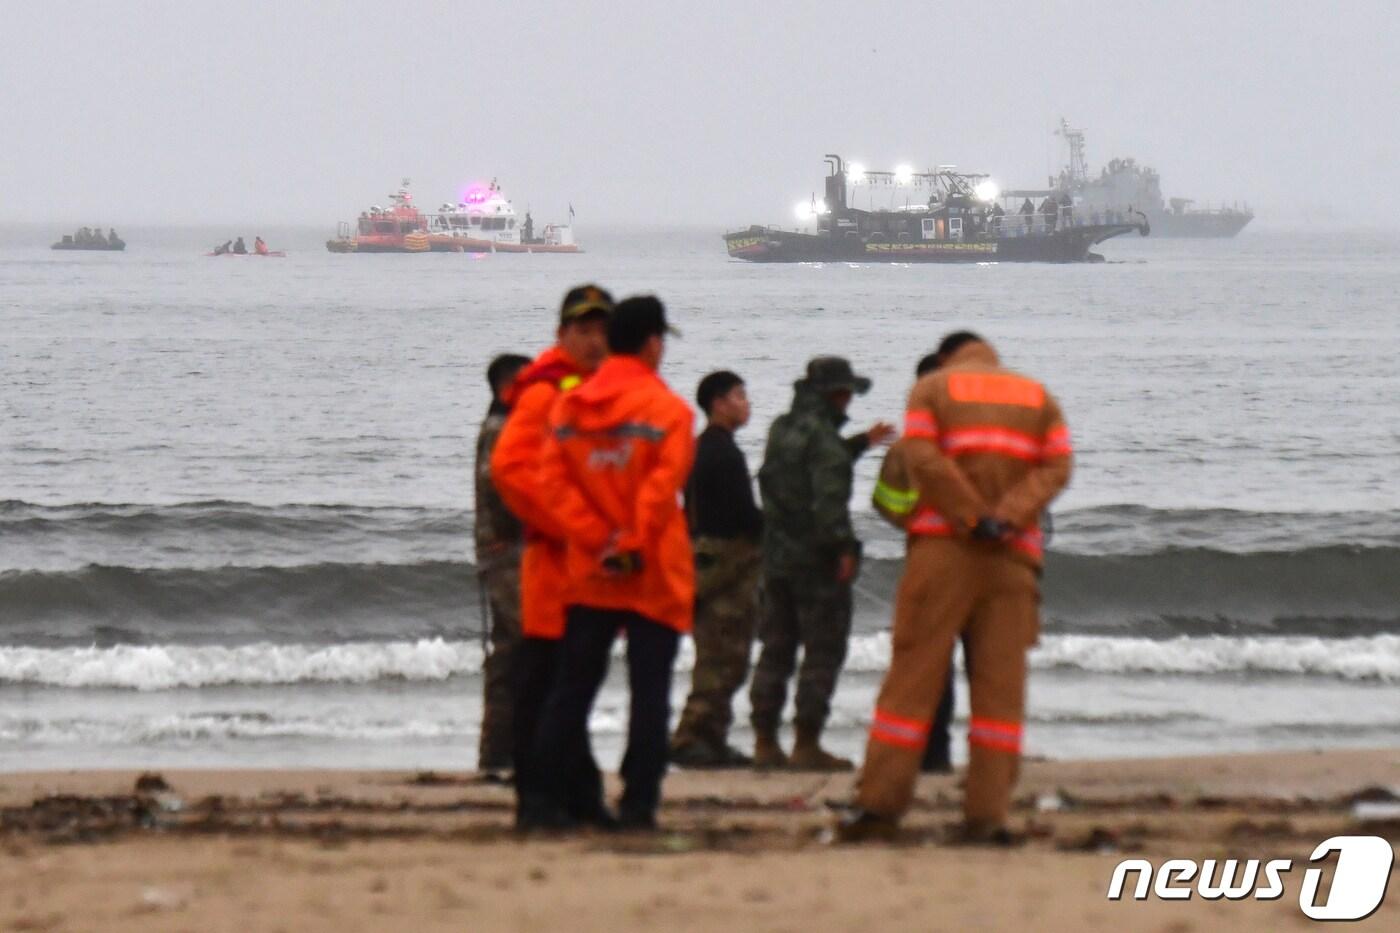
point(938, 753)
point(651, 654)
point(535, 672)
point(939, 750)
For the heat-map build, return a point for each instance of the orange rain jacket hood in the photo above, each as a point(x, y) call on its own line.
point(515, 465)
point(620, 454)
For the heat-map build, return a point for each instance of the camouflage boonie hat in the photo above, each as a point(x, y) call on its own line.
point(832, 373)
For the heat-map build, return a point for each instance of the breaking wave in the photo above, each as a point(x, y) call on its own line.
point(167, 667)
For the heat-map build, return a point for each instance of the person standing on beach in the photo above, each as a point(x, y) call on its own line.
point(895, 498)
point(618, 459)
point(988, 449)
point(726, 528)
point(810, 560)
point(515, 468)
point(499, 539)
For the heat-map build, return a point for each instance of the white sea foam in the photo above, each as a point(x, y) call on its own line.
point(166, 667)
point(1375, 657)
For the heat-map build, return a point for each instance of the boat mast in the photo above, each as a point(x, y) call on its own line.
point(1078, 169)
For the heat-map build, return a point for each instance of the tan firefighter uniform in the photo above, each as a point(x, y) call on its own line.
point(979, 441)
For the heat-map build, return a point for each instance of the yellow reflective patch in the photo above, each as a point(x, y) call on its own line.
point(569, 382)
point(896, 501)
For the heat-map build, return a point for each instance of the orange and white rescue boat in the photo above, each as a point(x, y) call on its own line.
point(483, 221)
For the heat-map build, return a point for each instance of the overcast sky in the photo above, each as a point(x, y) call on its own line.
point(705, 113)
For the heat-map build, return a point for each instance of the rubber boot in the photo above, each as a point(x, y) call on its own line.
point(808, 754)
point(767, 753)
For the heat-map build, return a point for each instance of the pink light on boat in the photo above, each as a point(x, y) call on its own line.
point(476, 194)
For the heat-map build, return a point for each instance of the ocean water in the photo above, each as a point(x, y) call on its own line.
point(235, 493)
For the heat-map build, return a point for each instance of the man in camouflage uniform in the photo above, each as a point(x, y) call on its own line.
point(725, 527)
point(810, 559)
point(499, 537)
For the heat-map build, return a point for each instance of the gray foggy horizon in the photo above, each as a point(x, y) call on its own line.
point(713, 114)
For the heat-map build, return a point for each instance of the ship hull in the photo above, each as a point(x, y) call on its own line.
point(1199, 226)
point(431, 243)
point(73, 247)
point(760, 244)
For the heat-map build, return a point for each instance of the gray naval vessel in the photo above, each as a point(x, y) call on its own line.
point(1124, 185)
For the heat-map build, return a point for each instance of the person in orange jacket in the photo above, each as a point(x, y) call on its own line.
point(619, 456)
point(988, 450)
point(515, 469)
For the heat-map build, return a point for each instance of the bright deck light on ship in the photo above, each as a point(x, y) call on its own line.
point(803, 210)
point(855, 173)
point(986, 190)
point(903, 174)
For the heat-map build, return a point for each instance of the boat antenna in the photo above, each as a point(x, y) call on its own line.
point(1078, 171)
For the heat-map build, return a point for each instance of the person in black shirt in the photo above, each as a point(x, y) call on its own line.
point(726, 526)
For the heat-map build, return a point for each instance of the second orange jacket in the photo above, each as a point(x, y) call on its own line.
point(515, 469)
point(620, 451)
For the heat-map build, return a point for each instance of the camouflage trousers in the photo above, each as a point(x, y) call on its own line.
point(814, 615)
point(502, 585)
point(726, 612)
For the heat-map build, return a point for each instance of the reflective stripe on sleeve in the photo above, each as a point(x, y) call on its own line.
point(926, 521)
point(996, 734)
point(920, 424)
point(1057, 443)
point(1031, 541)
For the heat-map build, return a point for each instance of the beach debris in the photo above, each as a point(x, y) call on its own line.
point(1375, 793)
point(1099, 839)
point(1368, 811)
point(1053, 802)
point(152, 782)
point(157, 898)
point(1248, 829)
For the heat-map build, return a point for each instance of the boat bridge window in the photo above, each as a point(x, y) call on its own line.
point(476, 220)
point(384, 226)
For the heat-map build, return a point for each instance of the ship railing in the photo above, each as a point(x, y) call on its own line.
point(1045, 224)
point(1022, 225)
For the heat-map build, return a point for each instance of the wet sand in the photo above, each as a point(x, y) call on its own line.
point(375, 850)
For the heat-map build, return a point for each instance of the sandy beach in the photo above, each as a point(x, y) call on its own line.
point(377, 850)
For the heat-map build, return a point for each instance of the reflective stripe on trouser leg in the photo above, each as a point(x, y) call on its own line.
point(935, 597)
point(997, 638)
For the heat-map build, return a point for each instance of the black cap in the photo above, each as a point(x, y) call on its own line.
point(833, 373)
point(634, 320)
point(582, 301)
